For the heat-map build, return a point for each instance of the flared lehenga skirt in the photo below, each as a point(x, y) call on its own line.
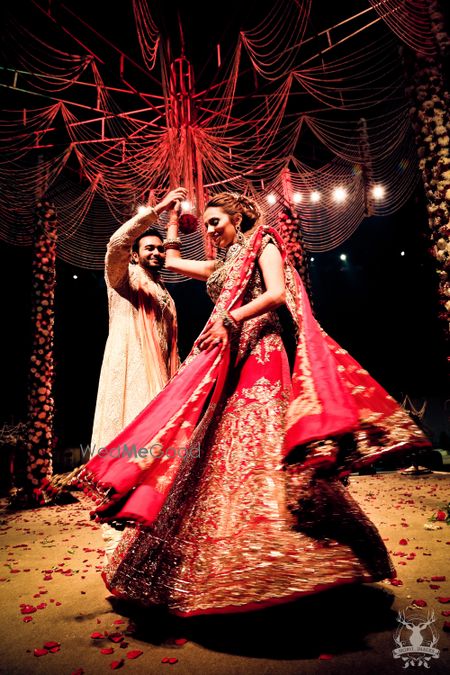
point(233, 534)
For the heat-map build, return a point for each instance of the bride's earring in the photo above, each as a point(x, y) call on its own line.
point(240, 239)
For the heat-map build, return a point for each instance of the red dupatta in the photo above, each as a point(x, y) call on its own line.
point(331, 395)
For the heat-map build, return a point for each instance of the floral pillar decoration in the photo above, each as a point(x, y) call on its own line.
point(289, 228)
point(430, 116)
point(41, 377)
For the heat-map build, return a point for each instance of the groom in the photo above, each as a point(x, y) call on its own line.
point(141, 350)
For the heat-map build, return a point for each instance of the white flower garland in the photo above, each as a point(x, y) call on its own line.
point(430, 115)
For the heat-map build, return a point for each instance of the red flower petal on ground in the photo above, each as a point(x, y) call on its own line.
point(97, 636)
point(40, 652)
point(123, 645)
point(180, 641)
point(325, 657)
point(51, 645)
point(434, 586)
point(80, 671)
point(134, 654)
point(107, 650)
point(115, 665)
point(165, 659)
point(438, 578)
point(419, 603)
point(445, 612)
point(117, 622)
point(115, 637)
point(43, 605)
point(28, 609)
point(396, 582)
point(53, 650)
point(172, 659)
point(403, 542)
point(27, 619)
point(443, 600)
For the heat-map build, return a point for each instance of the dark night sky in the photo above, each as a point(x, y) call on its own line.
point(379, 305)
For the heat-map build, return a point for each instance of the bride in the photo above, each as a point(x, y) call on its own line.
point(270, 413)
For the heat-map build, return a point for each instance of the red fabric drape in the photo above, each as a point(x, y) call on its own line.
point(331, 395)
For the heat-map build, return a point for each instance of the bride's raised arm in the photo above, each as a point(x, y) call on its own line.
point(196, 269)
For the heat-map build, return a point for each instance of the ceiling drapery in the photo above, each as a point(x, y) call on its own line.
point(291, 111)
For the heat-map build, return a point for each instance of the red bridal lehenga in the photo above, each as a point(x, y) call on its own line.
point(253, 512)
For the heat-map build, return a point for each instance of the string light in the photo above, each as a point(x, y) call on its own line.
point(297, 197)
point(186, 206)
point(75, 276)
point(315, 196)
point(378, 192)
point(271, 199)
point(339, 195)
point(343, 257)
point(402, 253)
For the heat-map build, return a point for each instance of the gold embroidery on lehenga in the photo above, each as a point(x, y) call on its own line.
point(229, 533)
point(236, 542)
point(307, 402)
point(267, 344)
point(378, 435)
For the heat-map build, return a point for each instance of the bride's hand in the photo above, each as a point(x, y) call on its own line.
point(215, 336)
point(171, 199)
point(174, 213)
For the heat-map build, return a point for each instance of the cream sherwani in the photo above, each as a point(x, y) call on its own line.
point(140, 354)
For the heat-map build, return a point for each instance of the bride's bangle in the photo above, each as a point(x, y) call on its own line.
point(228, 320)
point(175, 243)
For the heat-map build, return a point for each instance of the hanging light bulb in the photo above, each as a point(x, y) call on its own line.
point(343, 257)
point(378, 192)
point(315, 196)
point(186, 206)
point(297, 197)
point(339, 195)
point(272, 199)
